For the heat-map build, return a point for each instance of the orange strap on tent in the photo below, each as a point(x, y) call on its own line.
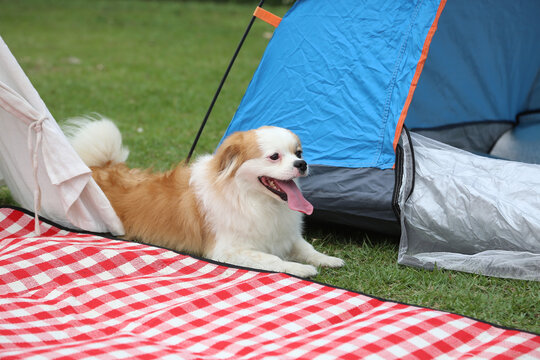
point(267, 16)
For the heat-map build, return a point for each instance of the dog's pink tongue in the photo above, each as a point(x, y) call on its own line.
point(295, 199)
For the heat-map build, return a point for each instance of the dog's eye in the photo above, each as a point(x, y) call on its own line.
point(298, 154)
point(274, 156)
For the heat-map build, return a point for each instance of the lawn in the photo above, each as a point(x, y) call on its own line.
point(153, 67)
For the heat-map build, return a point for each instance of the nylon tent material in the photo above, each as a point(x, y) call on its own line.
point(41, 169)
point(483, 65)
point(478, 92)
point(344, 75)
point(337, 74)
point(471, 213)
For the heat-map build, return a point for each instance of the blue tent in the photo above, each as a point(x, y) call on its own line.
point(348, 76)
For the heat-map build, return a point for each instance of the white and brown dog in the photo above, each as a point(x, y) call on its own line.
point(240, 205)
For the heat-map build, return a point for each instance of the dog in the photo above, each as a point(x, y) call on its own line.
point(240, 205)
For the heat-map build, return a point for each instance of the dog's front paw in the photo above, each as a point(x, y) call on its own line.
point(300, 270)
point(328, 261)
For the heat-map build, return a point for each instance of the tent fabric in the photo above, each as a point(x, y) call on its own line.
point(337, 74)
point(81, 296)
point(471, 213)
point(522, 142)
point(483, 65)
point(368, 201)
point(476, 137)
point(38, 164)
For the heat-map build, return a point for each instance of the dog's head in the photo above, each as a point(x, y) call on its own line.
point(267, 160)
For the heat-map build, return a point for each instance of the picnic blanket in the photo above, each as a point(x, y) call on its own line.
point(77, 296)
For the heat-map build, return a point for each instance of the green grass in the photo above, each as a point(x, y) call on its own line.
point(154, 67)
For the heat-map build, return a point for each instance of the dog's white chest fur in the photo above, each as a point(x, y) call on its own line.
point(241, 218)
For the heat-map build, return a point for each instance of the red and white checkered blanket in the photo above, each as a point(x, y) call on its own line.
point(76, 296)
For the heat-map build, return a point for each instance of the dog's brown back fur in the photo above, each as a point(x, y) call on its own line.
point(156, 207)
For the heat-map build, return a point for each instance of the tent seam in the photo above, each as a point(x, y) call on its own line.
point(417, 72)
point(390, 90)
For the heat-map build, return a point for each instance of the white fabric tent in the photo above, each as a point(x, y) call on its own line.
point(41, 169)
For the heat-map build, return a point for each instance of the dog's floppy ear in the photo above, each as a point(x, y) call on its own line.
point(227, 157)
point(234, 151)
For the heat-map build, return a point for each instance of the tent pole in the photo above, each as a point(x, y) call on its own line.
point(203, 124)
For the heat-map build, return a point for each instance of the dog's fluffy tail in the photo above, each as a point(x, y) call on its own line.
point(97, 140)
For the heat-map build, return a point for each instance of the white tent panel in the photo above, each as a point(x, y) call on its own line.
point(37, 162)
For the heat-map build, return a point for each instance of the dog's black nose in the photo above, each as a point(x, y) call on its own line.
point(300, 165)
